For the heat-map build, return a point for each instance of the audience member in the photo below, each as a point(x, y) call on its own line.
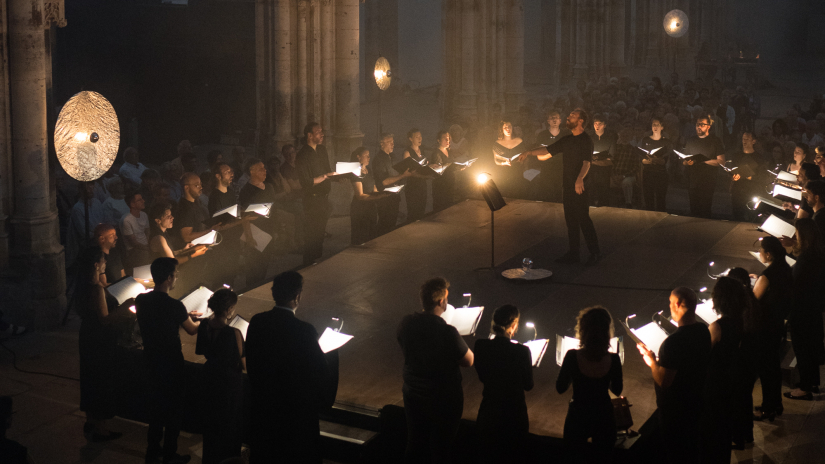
point(135, 229)
point(132, 169)
point(114, 207)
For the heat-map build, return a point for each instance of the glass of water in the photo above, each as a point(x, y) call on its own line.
point(526, 264)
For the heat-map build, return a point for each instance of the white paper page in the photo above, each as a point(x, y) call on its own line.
point(651, 335)
point(565, 344)
point(467, 163)
point(705, 311)
point(680, 154)
point(440, 169)
point(786, 177)
point(655, 150)
point(769, 201)
point(777, 227)
point(463, 319)
point(394, 188)
point(232, 210)
point(790, 260)
point(260, 208)
point(261, 238)
point(143, 273)
point(531, 174)
point(346, 168)
point(332, 340)
point(537, 350)
point(208, 239)
point(787, 192)
point(198, 301)
point(125, 289)
point(241, 324)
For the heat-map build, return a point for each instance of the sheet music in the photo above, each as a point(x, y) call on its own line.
point(208, 239)
point(565, 344)
point(531, 174)
point(261, 238)
point(232, 211)
point(787, 192)
point(466, 163)
point(786, 176)
point(537, 350)
point(706, 312)
point(651, 335)
point(465, 320)
point(126, 288)
point(259, 208)
point(770, 202)
point(788, 259)
point(347, 168)
point(198, 301)
point(777, 227)
point(394, 188)
point(143, 273)
point(241, 324)
point(332, 340)
point(440, 169)
point(680, 154)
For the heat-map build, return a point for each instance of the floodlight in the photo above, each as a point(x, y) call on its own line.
point(87, 136)
point(676, 23)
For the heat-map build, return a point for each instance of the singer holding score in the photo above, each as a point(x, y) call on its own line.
point(679, 373)
point(578, 150)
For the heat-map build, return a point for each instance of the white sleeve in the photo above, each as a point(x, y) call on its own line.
point(127, 228)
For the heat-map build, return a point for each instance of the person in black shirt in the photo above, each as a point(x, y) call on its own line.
point(578, 151)
point(744, 188)
point(288, 377)
point(592, 370)
point(160, 318)
point(433, 398)
point(506, 370)
point(363, 209)
point(815, 196)
point(415, 192)
point(679, 373)
point(106, 237)
point(703, 173)
point(386, 176)
point(193, 221)
point(257, 191)
point(229, 250)
point(602, 165)
point(654, 167)
point(443, 185)
point(312, 163)
point(547, 186)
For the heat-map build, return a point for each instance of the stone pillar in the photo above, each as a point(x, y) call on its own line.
point(617, 38)
point(282, 71)
point(36, 251)
point(348, 135)
point(6, 186)
point(263, 81)
point(467, 95)
point(580, 60)
point(301, 88)
point(515, 57)
point(327, 66)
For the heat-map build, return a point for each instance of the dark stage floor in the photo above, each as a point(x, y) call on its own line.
point(373, 286)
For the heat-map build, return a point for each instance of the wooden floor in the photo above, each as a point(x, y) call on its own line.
point(373, 286)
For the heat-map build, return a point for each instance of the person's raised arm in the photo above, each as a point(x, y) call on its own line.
point(661, 375)
point(467, 360)
point(719, 161)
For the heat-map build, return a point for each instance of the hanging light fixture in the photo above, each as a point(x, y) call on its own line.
point(676, 23)
point(382, 73)
point(87, 136)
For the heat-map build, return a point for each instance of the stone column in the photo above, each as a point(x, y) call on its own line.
point(327, 66)
point(6, 186)
point(263, 77)
point(580, 60)
point(655, 31)
point(515, 57)
point(282, 70)
point(348, 135)
point(467, 95)
point(303, 45)
point(617, 39)
point(36, 252)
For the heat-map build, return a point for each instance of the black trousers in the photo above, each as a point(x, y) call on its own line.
point(742, 192)
point(770, 373)
point(654, 184)
point(316, 213)
point(700, 192)
point(600, 184)
point(577, 217)
point(806, 338)
point(680, 435)
point(432, 424)
point(387, 213)
point(415, 194)
point(166, 408)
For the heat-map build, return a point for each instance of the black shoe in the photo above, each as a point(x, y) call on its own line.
point(593, 259)
point(806, 397)
point(177, 459)
point(778, 412)
point(99, 437)
point(568, 258)
point(769, 416)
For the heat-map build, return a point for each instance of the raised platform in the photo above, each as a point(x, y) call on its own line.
point(373, 286)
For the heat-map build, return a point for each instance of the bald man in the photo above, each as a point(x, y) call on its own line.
point(191, 217)
point(106, 237)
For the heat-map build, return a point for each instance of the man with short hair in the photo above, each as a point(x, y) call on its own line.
point(385, 176)
point(312, 164)
point(105, 236)
point(135, 228)
point(160, 318)
point(679, 378)
point(288, 379)
point(222, 197)
point(191, 217)
point(132, 168)
point(815, 196)
point(434, 352)
point(744, 188)
point(702, 174)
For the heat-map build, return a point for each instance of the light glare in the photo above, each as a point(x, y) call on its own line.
point(482, 178)
point(530, 324)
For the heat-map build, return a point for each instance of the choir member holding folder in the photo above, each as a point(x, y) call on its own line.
point(505, 150)
point(443, 185)
point(679, 371)
point(592, 370)
point(288, 376)
point(221, 198)
point(223, 347)
point(312, 164)
point(657, 149)
point(365, 200)
point(506, 371)
point(748, 178)
point(385, 176)
point(434, 352)
point(257, 192)
point(415, 193)
point(703, 153)
point(162, 245)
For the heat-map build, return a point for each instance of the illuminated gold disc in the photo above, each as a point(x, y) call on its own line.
point(87, 136)
point(676, 23)
point(382, 73)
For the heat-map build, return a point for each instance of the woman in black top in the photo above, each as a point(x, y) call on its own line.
point(415, 191)
point(730, 301)
point(592, 370)
point(506, 371)
point(506, 146)
point(99, 312)
point(443, 185)
point(805, 317)
point(363, 209)
point(223, 347)
point(654, 172)
point(161, 243)
point(773, 289)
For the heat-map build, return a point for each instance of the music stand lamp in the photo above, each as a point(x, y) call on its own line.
point(383, 79)
point(495, 202)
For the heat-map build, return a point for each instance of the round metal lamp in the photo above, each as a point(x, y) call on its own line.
point(676, 23)
point(87, 136)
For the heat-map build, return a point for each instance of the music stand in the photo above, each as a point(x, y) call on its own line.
point(495, 202)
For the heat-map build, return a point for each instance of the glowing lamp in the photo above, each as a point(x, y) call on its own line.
point(87, 136)
point(676, 23)
point(531, 325)
point(382, 73)
point(482, 178)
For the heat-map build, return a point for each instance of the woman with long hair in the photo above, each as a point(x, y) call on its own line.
point(506, 146)
point(443, 185)
point(592, 370)
point(805, 317)
point(506, 371)
point(654, 172)
point(160, 241)
point(223, 347)
point(363, 209)
point(773, 289)
point(800, 155)
point(415, 192)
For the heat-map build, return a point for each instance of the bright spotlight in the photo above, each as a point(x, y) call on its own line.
point(81, 136)
point(703, 290)
point(482, 178)
point(530, 324)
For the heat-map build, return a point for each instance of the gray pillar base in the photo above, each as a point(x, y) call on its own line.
point(38, 297)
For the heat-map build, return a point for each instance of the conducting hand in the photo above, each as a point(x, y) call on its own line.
point(579, 186)
point(736, 177)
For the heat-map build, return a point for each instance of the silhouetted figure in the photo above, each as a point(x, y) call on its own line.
point(11, 452)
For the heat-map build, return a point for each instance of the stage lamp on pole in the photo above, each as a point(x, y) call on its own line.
point(495, 202)
point(383, 79)
point(676, 25)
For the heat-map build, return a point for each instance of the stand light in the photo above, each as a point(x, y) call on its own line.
point(530, 325)
point(676, 25)
point(383, 79)
point(495, 202)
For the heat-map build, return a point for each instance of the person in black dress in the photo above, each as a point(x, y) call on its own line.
point(601, 167)
point(504, 148)
point(415, 192)
point(592, 370)
point(443, 185)
point(654, 167)
point(506, 371)
point(730, 301)
point(99, 312)
point(773, 289)
point(805, 317)
point(223, 347)
point(363, 210)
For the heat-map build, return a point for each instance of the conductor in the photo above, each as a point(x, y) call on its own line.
point(578, 150)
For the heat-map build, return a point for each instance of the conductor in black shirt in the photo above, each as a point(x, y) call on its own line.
point(702, 174)
point(312, 164)
point(433, 398)
point(578, 151)
point(287, 376)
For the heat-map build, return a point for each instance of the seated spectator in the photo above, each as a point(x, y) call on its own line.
point(626, 163)
point(172, 174)
point(212, 158)
point(78, 235)
point(135, 229)
point(149, 179)
point(288, 168)
point(132, 169)
point(115, 207)
point(106, 238)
